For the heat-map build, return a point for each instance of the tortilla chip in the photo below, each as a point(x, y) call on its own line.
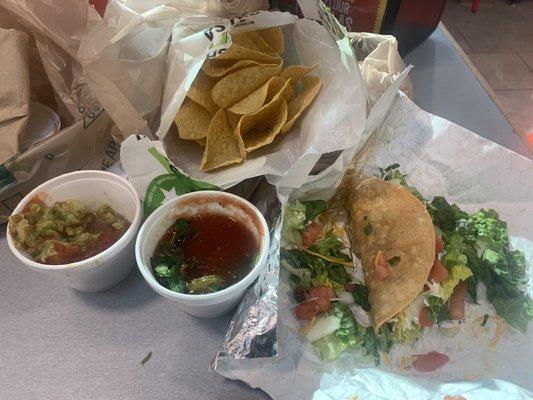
point(296, 72)
point(233, 119)
point(192, 120)
point(310, 87)
point(251, 103)
point(217, 72)
point(237, 52)
point(252, 40)
point(261, 128)
point(223, 146)
point(400, 226)
point(271, 90)
point(279, 87)
point(237, 85)
point(200, 92)
point(274, 38)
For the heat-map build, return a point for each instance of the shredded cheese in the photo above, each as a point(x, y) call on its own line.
point(335, 260)
point(501, 328)
point(306, 328)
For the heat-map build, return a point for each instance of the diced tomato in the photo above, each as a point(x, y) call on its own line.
point(439, 245)
point(322, 291)
point(381, 267)
point(349, 287)
point(307, 310)
point(457, 397)
point(311, 233)
point(457, 301)
point(34, 200)
point(423, 320)
point(310, 308)
point(438, 272)
point(97, 225)
point(430, 361)
point(65, 253)
point(323, 303)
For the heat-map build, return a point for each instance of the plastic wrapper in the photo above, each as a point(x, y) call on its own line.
point(440, 158)
point(381, 63)
point(55, 28)
point(133, 69)
point(57, 96)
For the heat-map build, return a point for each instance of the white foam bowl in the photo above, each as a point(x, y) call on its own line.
point(213, 304)
point(93, 188)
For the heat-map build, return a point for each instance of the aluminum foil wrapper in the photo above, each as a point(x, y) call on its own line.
point(252, 331)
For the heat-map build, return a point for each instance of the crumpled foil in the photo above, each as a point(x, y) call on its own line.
point(252, 331)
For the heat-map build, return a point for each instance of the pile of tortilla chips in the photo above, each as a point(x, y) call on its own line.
point(244, 98)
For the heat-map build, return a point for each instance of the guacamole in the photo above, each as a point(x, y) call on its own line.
point(65, 232)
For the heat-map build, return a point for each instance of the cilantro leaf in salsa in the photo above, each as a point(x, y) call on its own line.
point(167, 272)
point(179, 231)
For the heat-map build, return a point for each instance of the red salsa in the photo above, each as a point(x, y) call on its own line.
point(65, 232)
point(204, 253)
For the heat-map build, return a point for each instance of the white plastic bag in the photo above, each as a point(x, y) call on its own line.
point(335, 120)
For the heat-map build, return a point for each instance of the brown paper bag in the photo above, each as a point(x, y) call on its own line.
point(14, 91)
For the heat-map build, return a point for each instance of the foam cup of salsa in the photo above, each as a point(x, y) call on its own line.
point(79, 228)
point(203, 250)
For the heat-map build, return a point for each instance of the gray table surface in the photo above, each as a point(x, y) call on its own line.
point(57, 343)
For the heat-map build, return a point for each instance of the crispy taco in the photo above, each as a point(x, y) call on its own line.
point(419, 261)
point(393, 235)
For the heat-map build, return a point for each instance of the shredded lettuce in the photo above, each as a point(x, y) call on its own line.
point(312, 209)
point(348, 334)
point(322, 272)
point(349, 329)
point(360, 296)
point(322, 327)
point(405, 335)
point(481, 243)
point(456, 262)
point(374, 344)
point(436, 309)
point(293, 222)
point(330, 246)
point(298, 215)
point(329, 347)
point(445, 215)
point(457, 273)
point(393, 173)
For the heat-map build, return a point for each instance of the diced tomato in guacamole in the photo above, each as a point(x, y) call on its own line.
point(65, 232)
